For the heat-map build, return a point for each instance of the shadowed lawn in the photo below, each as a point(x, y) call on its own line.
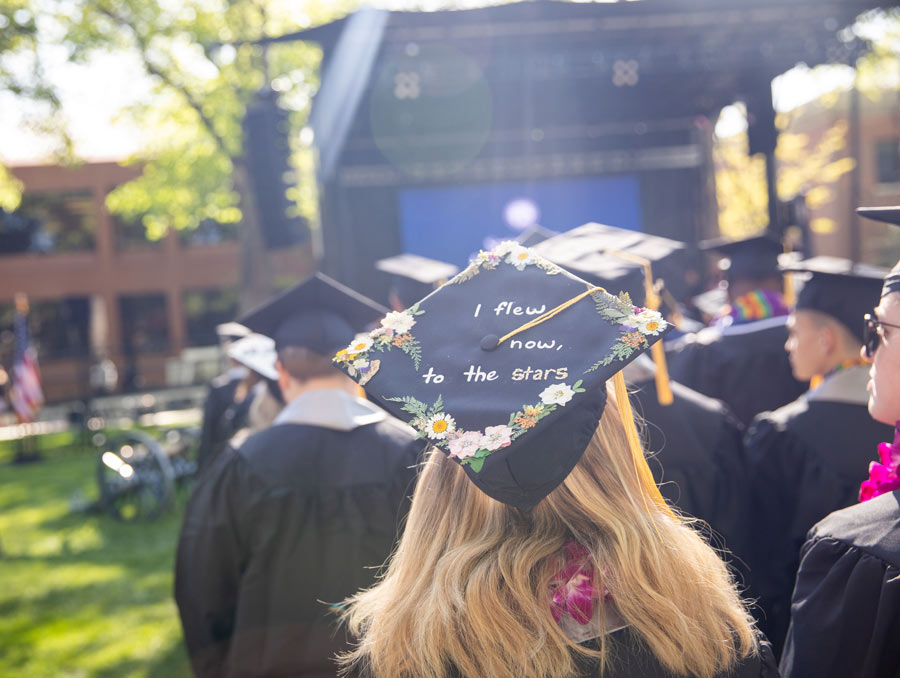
point(82, 595)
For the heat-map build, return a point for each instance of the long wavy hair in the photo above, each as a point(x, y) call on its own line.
point(467, 590)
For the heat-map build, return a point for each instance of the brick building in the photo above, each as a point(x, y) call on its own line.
point(877, 153)
point(100, 289)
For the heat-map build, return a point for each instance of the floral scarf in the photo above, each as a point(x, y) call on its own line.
point(755, 305)
point(572, 590)
point(883, 477)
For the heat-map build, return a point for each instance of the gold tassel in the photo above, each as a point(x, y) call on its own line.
point(652, 301)
point(644, 475)
point(790, 294)
point(663, 387)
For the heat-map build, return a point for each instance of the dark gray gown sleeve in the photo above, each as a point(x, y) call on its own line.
point(774, 475)
point(630, 658)
point(845, 614)
point(210, 558)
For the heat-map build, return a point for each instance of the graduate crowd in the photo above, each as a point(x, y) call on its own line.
point(541, 466)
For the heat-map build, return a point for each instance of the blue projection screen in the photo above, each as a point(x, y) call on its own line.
point(451, 223)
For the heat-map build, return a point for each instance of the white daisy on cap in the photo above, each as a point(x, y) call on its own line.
point(520, 257)
point(361, 344)
point(439, 426)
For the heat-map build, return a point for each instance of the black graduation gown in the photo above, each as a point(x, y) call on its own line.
point(804, 461)
point(696, 455)
point(630, 658)
point(296, 519)
point(222, 416)
point(846, 606)
point(745, 366)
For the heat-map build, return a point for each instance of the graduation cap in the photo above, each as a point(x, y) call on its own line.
point(504, 369)
point(620, 259)
point(318, 313)
point(255, 352)
point(231, 331)
point(755, 257)
point(533, 235)
point(839, 288)
point(415, 276)
point(888, 215)
point(711, 302)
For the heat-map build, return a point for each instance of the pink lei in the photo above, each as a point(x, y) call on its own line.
point(883, 477)
point(572, 590)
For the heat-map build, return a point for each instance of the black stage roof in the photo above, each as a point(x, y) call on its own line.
point(662, 59)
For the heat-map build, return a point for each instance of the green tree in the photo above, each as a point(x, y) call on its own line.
point(811, 167)
point(22, 77)
point(804, 167)
point(206, 62)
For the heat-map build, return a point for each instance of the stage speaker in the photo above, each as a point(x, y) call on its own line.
point(267, 154)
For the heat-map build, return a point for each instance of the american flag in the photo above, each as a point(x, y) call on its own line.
point(26, 395)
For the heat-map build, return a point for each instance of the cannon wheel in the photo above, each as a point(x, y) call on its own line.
point(136, 478)
point(181, 447)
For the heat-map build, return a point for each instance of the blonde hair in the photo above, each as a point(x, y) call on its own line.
point(467, 588)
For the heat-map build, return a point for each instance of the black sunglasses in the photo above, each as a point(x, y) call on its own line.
point(871, 333)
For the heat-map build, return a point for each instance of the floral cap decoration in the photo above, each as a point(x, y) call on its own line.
point(504, 368)
point(622, 259)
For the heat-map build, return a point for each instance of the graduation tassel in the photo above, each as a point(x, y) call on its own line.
point(790, 294)
point(653, 302)
point(663, 388)
point(644, 475)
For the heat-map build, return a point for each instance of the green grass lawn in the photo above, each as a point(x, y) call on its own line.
point(82, 595)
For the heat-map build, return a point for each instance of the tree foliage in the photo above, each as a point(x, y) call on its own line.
point(805, 166)
point(207, 65)
point(21, 76)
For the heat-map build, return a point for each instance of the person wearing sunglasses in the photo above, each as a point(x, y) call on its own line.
point(804, 459)
point(845, 611)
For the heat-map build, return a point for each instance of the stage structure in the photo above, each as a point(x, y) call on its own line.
point(440, 131)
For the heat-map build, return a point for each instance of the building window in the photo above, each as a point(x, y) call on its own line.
point(131, 235)
point(59, 329)
point(888, 157)
point(204, 309)
point(51, 222)
point(145, 324)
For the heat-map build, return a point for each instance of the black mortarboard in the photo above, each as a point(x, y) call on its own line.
point(624, 260)
point(711, 302)
point(839, 288)
point(888, 215)
point(414, 277)
point(533, 235)
point(617, 257)
point(755, 257)
point(504, 368)
point(318, 313)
